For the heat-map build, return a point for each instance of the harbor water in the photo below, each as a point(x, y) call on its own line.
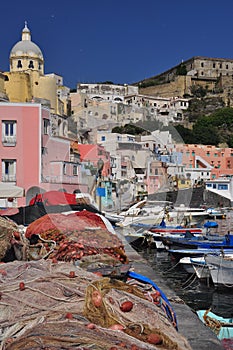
point(198, 295)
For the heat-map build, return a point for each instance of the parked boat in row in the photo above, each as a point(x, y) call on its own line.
point(149, 214)
point(221, 269)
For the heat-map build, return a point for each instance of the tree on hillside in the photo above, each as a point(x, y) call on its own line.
point(185, 134)
point(205, 134)
point(131, 129)
point(181, 69)
point(198, 91)
point(230, 141)
point(222, 117)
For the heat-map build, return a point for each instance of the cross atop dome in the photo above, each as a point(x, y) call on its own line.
point(26, 34)
point(25, 54)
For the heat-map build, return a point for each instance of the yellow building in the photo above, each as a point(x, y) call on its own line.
point(26, 81)
point(3, 96)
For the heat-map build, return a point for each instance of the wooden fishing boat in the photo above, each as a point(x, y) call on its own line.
point(195, 265)
point(222, 327)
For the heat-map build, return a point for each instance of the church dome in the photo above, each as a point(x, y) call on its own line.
point(26, 47)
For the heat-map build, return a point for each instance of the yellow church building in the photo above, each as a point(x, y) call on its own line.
point(26, 81)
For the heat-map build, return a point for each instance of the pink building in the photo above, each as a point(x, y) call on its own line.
point(93, 153)
point(156, 176)
point(30, 157)
point(218, 160)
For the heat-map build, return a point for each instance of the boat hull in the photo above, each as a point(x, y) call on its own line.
point(221, 270)
point(225, 329)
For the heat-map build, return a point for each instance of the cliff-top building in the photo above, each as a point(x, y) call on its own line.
point(212, 74)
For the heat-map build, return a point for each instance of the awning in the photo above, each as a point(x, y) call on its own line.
point(10, 191)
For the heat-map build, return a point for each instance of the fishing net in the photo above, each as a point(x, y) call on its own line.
point(145, 317)
point(51, 306)
point(72, 334)
point(7, 230)
point(74, 236)
point(79, 221)
point(214, 324)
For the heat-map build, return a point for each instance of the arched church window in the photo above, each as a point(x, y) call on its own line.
point(19, 65)
point(39, 66)
point(31, 65)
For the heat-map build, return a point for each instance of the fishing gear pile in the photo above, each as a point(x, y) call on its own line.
point(46, 305)
point(72, 237)
point(8, 229)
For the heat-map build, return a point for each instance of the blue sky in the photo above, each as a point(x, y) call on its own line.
point(121, 41)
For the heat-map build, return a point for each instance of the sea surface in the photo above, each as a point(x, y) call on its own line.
point(198, 295)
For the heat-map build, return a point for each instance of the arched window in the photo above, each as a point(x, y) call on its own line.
point(19, 65)
point(31, 65)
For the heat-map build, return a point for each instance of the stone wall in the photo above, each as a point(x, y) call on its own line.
point(212, 74)
point(214, 200)
point(192, 197)
point(179, 87)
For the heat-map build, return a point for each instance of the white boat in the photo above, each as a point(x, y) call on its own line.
point(188, 216)
point(221, 269)
point(143, 212)
point(152, 212)
point(195, 266)
point(217, 213)
point(185, 262)
point(136, 238)
point(200, 267)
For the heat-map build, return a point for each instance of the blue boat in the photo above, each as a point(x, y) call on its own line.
point(180, 253)
point(192, 242)
point(221, 326)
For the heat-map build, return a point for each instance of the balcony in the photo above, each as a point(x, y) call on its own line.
point(74, 158)
point(61, 179)
point(8, 178)
point(9, 141)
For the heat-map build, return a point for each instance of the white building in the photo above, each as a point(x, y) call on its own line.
point(223, 186)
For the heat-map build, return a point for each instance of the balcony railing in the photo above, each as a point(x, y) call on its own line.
point(74, 158)
point(9, 140)
point(61, 179)
point(8, 178)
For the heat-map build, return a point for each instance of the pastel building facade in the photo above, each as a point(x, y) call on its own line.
point(30, 157)
point(108, 105)
point(133, 159)
point(205, 162)
point(92, 154)
point(223, 188)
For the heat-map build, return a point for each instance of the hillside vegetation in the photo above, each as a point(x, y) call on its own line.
point(214, 129)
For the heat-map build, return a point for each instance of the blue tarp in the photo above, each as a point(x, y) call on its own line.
point(211, 224)
point(100, 191)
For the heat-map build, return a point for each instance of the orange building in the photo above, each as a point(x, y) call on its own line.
point(218, 161)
